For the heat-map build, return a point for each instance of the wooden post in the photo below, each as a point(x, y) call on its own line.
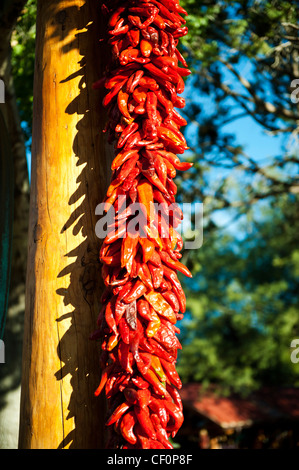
point(70, 175)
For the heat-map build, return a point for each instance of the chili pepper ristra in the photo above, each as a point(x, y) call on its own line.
point(143, 297)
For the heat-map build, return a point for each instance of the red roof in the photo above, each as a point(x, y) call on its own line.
point(285, 400)
point(233, 411)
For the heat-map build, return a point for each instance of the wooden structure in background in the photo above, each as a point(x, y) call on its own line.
point(70, 175)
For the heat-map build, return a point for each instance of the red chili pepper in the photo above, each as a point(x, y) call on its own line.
point(144, 420)
point(180, 32)
point(171, 373)
point(175, 395)
point(136, 80)
point(153, 178)
point(171, 298)
point(157, 348)
point(149, 129)
point(157, 275)
point(125, 357)
point(128, 251)
point(137, 291)
point(174, 264)
point(159, 410)
point(126, 427)
point(120, 383)
point(119, 28)
point(176, 286)
point(172, 139)
point(124, 330)
point(140, 382)
point(135, 21)
point(177, 416)
point(117, 413)
point(157, 368)
point(165, 61)
point(160, 432)
point(143, 298)
point(178, 119)
point(115, 16)
point(148, 313)
point(150, 83)
point(180, 84)
point(145, 275)
point(155, 259)
point(143, 397)
point(148, 249)
point(109, 316)
point(156, 72)
point(143, 440)
point(128, 55)
point(104, 379)
point(122, 101)
point(167, 104)
point(159, 389)
point(130, 179)
point(132, 140)
point(174, 159)
point(108, 98)
point(139, 95)
point(146, 48)
point(167, 338)
point(134, 37)
point(131, 395)
point(159, 304)
point(161, 169)
point(131, 129)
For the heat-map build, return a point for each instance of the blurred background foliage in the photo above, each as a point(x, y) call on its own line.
point(242, 303)
point(23, 57)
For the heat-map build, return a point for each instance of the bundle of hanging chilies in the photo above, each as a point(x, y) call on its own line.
point(143, 297)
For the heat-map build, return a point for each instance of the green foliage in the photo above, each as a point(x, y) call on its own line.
point(23, 57)
point(243, 306)
point(243, 299)
point(244, 57)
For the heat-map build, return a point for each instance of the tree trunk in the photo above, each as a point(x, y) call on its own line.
point(70, 175)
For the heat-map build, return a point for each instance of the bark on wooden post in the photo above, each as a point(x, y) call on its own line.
point(70, 175)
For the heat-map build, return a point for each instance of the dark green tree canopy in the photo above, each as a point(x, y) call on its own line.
point(243, 304)
point(244, 56)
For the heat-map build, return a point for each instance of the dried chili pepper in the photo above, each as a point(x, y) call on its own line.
point(143, 297)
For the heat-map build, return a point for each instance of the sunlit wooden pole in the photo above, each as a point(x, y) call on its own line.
point(70, 175)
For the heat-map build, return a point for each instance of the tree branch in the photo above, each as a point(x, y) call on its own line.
point(290, 25)
point(268, 107)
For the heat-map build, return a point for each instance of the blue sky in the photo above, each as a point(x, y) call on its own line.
point(256, 142)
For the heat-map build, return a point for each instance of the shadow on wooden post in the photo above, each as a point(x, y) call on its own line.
point(70, 174)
